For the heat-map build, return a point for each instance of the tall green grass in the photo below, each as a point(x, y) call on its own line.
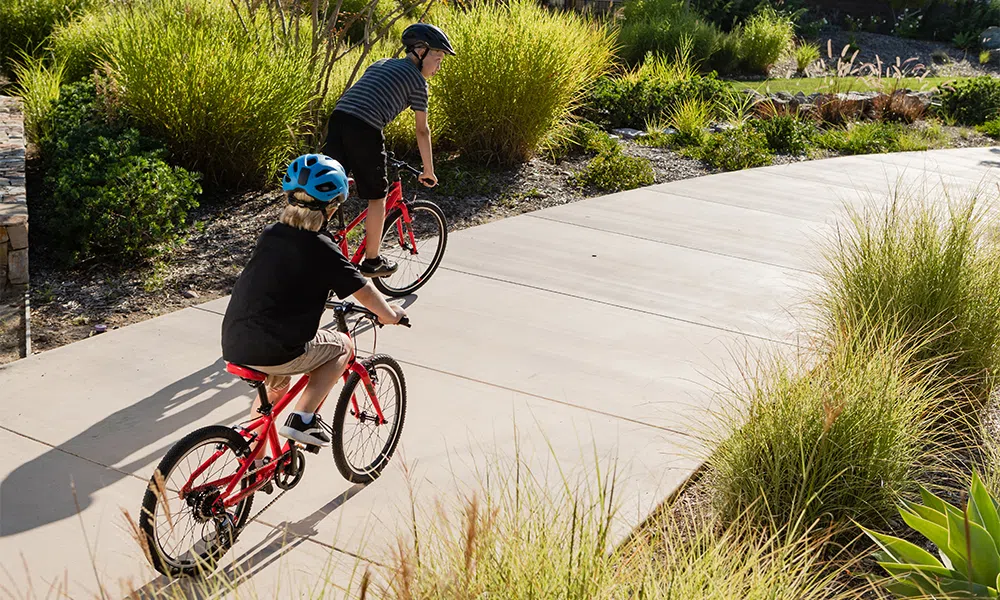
point(229, 103)
point(38, 86)
point(79, 43)
point(932, 273)
point(518, 539)
point(828, 438)
point(521, 69)
point(765, 38)
point(24, 24)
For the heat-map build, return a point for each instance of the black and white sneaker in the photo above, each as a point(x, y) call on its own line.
point(311, 434)
point(378, 267)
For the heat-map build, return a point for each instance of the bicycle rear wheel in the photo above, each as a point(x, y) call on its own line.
point(187, 536)
point(417, 262)
point(361, 446)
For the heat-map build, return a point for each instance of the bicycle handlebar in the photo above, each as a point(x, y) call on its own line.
point(400, 165)
point(347, 308)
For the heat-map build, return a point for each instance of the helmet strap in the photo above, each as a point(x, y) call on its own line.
point(420, 57)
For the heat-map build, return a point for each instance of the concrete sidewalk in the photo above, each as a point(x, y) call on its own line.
point(584, 333)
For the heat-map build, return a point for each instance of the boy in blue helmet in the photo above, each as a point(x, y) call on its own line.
point(272, 321)
point(354, 134)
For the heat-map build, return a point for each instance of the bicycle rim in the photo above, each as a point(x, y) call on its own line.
point(416, 262)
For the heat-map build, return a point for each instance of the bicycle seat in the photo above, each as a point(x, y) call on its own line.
point(245, 373)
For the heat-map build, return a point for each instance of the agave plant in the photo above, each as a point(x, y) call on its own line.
point(968, 543)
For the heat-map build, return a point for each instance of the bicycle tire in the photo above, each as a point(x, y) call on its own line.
point(403, 282)
point(201, 561)
point(381, 365)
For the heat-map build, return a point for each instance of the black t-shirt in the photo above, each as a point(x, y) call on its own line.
point(279, 298)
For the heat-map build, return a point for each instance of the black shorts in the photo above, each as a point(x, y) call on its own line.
point(360, 148)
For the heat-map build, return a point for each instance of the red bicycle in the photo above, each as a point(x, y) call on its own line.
point(414, 236)
point(200, 495)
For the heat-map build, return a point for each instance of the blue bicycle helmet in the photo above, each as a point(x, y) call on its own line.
point(319, 176)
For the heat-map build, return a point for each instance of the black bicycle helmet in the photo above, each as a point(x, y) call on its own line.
point(426, 35)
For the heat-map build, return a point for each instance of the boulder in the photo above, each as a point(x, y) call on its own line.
point(628, 133)
point(990, 38)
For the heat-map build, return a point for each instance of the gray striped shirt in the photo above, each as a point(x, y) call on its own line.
point(385, 90)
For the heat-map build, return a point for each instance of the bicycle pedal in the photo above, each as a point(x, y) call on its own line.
point(311, 448)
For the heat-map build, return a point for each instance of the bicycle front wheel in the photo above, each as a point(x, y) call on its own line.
point(188, 535)
point(362, 446)
point(417, 246)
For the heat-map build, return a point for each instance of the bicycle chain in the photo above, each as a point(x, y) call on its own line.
point(261, 511)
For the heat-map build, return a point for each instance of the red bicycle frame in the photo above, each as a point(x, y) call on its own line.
point(269, 436)
point(394, 199)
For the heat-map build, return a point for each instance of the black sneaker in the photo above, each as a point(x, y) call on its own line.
point(311, 434)
point(378, 267)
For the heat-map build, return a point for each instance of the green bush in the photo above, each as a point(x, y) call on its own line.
point(633, 100)
point(990, 128)
point(226, 102)
point(521, 70)
point(661, 27)
point(107, 192)
point(765, 38)
point(613, 171)
point(834, 438)
point(930, 272)
point(787, 134)
point(736, 149)
point(971, 101)
point(24, 24)
point(945, 19)
point(862, 138)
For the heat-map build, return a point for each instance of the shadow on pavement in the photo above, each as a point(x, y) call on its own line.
point(281, 540)
point(39, 492)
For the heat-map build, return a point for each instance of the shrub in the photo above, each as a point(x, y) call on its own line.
point(521, 71)
point(966, 40)
point(24, 24)
point(613, 172)
point(806, 55)
point(637, 98)
point(662, 27)
point(862, 138)
point(38, 87)
point(765, 38)
point(929, 272)
point(736, 149)
point(107, 191)
point(787, 134)
point(944, 20)
point(971, 101)
point(835, 438)
point(225, 101)
point(690, 118)
point(990, 128)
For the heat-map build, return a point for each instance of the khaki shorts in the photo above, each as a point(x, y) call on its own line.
point(326, 346)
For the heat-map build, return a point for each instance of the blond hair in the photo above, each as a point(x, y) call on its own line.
point(300, 217)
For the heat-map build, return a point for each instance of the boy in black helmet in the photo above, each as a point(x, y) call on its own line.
point(354, 134)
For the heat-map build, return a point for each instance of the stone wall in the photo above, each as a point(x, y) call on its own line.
point(14, 333)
